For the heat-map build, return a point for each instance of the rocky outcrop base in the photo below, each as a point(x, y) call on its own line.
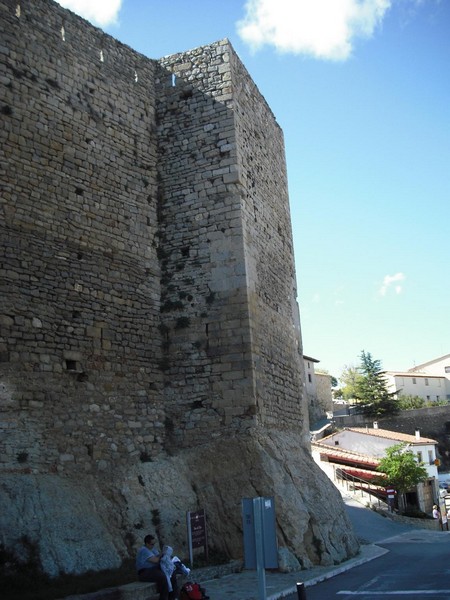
point(93, 523)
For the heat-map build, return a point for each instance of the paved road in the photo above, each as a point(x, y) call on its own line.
point(416, 565)
point(371, 527)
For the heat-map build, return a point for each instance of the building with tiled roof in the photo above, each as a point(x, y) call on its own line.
point(415, 440)
point(346, 457)
point(355, 453)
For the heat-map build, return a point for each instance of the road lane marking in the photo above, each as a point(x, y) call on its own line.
point(397, 593)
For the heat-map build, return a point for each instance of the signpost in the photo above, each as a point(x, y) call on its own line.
point(197, 535)
point(443, 510)
point(390, 492)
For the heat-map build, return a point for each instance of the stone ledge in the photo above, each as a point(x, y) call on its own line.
point(432, 524)
point(140, 590)
point(215, 572)
point(137, 590)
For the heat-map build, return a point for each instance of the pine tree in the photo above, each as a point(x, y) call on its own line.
point(371, 389)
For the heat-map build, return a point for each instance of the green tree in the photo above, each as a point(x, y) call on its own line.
point(441, 402)
point(408, 401)
point(402, 470)
point(371, 389)
point(349, 378)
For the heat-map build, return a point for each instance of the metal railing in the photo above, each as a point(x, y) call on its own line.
point(358, 486)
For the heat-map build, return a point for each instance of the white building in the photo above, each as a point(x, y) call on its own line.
point(374, 441)
point(428, 387)
point(438, 366)
point(358, 451)
point(430, 380)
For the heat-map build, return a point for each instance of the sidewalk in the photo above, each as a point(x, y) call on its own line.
point(244, 585)
point(222, 584)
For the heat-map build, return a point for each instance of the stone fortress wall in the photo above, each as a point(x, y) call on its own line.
point(81, 277)
point(148, 300)
point(229, 259)
point(149, 276)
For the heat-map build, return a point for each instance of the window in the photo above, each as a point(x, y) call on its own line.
point(309, 377)
point(414, 380)
point(447, 369)
point(419, 456)
point(437, 398)
point(430, 456)
point(426, 380)
point(428, 397)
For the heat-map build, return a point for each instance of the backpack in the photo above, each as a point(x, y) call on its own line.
point(192, 591)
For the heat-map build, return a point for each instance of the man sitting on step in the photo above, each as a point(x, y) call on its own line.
point(149, 569)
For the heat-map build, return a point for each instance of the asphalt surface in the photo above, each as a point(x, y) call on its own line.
point(415, 566)
point(370, 528)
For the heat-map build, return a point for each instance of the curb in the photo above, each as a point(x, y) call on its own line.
point(369, 552)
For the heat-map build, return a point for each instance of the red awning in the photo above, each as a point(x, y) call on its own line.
point(361, 473)
point(350, 460)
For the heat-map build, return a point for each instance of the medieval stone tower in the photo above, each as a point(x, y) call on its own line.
point(150, 343)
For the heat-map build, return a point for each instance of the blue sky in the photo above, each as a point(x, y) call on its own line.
point(361, 89)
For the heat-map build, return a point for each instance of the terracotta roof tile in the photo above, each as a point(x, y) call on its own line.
point(392, 435)
point(361, 473)
point(348, 455)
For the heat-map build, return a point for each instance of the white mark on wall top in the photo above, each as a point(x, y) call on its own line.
point(135, 77)
point(63, 34)
point(174, 80)
point(102, 58)
point(18, 11)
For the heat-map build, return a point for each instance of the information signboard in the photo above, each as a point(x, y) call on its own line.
point(197, 534)
point(198, 528)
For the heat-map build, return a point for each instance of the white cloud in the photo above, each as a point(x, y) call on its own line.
point(389, 280)
point(99, 12)
point(338, 293)
point(324, 29)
